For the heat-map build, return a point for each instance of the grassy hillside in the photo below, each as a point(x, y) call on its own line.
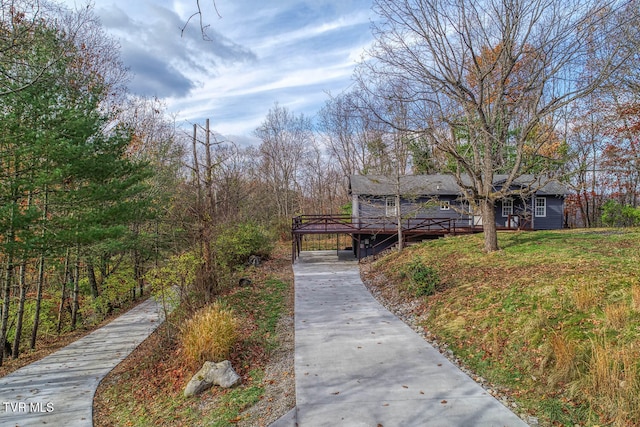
point(554, 317)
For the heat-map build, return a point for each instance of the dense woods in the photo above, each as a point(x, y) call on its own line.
point(100, 189)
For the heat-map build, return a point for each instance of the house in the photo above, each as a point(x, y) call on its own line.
point(433, 205)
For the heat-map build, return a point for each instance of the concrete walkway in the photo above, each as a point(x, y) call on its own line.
point(356, 364)
point(58, 390)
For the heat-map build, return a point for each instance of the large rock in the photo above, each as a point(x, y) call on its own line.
point(211, 373)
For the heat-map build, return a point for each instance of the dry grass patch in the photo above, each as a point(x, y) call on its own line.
point(616, 315)
point(635, 297)
point(210, 334)
point(612, 383)
point(585, 297)
point(564, 353)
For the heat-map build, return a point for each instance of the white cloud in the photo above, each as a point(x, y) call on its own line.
point(260, 52)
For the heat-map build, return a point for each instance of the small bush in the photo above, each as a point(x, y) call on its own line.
point(423, 279)
point(615, 214)
point(46, 326)
point(236, 244)
point(115, 292)
point(210, 334)
point(178, 273)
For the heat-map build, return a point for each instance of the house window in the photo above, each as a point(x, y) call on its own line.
point(391, 206)
point(541, 207)
point(507, 207)
point(445, 205)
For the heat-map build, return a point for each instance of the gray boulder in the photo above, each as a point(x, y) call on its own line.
point(211, 373)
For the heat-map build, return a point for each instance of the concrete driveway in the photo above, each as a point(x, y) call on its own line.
point(58, 390)
point(356, 364)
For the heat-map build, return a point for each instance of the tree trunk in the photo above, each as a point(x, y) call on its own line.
point(36, 314)
point(138, 272)
point(40, 284)
point(67, 276)
point(489, 225)
point(20, 314)
point(76, 291)
point(8, 278)
point(23, 296)
point(399, 219)
point(91, 274)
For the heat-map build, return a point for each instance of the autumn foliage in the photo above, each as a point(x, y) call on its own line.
point(503, 75)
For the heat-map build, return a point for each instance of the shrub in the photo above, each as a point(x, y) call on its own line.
point(210, 334)
point(281, 229)
point(615, 214)
point(423, 279)
point(46, 326)
point(115, 292)
point(236, 244)
point(179, 272)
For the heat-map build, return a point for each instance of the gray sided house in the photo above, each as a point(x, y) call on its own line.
point(536, 205)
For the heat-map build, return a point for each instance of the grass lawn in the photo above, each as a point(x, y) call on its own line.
point(554, 317)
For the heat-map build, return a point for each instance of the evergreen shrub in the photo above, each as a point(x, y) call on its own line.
point(422, 279)
point(237, 243)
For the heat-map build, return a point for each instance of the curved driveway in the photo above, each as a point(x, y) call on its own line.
point(58, 390)
point(356, 364)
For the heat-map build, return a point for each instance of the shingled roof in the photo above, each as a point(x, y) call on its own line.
point(442, 184)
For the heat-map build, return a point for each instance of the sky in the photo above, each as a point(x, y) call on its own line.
point(259, 52)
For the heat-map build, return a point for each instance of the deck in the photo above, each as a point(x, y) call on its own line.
point(346, 224)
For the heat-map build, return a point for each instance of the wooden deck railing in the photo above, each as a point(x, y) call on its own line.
point(318, 224)
point(345, 224)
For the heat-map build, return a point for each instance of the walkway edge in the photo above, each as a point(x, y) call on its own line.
point(59, 389)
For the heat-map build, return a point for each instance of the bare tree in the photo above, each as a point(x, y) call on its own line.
point(234, 189)
point(205, 161)
point(323, 187)
point(351, 134)
point(285, 140)
point(98, 65)
point(484, 79)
